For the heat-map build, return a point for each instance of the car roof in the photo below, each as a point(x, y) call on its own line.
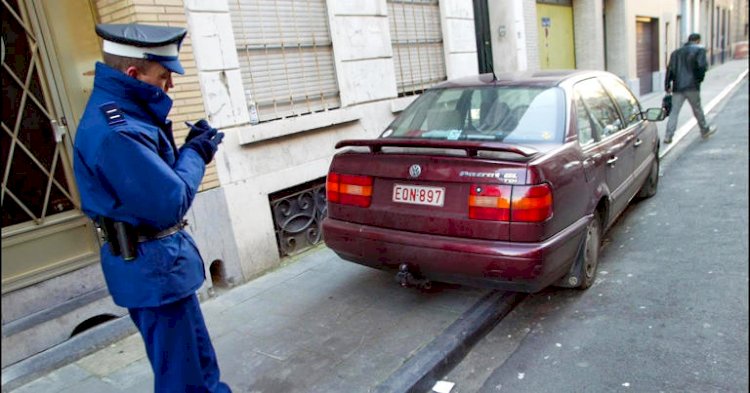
point(546, 78)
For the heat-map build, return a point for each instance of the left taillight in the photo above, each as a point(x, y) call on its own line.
point(489, 202)
point(349, 189)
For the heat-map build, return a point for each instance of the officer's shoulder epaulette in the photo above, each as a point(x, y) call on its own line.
point(112, 113)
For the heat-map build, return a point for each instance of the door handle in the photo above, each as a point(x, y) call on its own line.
point(592, 160)
point(611, 161)
point(637, 142)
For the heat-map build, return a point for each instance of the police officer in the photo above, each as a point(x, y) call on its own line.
point(138, 186)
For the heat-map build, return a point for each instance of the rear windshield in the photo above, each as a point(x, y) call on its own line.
point(507, 114)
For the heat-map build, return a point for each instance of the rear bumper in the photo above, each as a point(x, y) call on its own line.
point(525, 267)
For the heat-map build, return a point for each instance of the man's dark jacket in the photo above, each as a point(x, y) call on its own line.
point(687, 68)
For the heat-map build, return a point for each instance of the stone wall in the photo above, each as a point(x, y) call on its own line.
point(257, 160)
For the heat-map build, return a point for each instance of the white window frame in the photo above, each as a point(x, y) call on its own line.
point(286, 58)
point(417, 40)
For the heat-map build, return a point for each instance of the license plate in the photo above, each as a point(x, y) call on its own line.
point(418, 195)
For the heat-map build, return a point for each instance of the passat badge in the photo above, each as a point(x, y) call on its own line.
point(415, 170)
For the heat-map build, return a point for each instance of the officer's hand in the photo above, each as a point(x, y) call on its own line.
point(205, 144)
point(200, 127)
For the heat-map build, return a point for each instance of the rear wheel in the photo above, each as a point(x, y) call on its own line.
point(588, 259)
point(651, 184)
point(583, 272)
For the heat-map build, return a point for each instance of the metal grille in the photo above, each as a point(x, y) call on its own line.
point(286, 57)
point(417, 41)
point(35, 170)
point(298, 215)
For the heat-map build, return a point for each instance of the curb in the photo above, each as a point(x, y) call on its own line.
point(419, 373)
point(76, 347)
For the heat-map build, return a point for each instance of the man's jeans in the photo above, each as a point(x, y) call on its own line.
point(678, 98)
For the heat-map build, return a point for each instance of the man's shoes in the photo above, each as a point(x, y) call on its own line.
point(667, 140)
point(711, 131)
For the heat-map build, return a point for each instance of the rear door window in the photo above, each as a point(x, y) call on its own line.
point(586, 131)
point(631, 110)
point(604, 114)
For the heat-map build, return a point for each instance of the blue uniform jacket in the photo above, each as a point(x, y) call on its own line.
point(128, 169)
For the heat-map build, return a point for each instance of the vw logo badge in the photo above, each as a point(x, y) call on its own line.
point(415, 170)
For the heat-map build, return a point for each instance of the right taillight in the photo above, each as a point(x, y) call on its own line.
point(349, 189)
point(510, 203)
point(531, 203)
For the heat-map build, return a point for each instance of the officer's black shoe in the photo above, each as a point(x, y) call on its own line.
point(667, 140)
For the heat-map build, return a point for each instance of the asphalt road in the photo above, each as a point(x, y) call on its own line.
point(669, 309)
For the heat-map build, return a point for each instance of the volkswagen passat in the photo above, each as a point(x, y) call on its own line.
point(503, 182)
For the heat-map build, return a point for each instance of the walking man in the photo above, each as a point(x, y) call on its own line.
point(685, 72)
point(137, 186)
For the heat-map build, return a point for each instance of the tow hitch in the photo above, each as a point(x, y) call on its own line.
point(405, 278)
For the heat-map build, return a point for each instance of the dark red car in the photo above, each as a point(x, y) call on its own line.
point(506, 183)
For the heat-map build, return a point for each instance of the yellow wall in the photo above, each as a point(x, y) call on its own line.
point(556, 48)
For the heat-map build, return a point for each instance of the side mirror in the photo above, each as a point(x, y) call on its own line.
point(655, 114)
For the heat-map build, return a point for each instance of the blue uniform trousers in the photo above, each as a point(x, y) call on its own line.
point(179, 347)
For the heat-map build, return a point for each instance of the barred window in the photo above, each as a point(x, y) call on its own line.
point(417, 41)
point(286, 56)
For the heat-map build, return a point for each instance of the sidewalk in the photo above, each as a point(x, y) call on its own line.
point(318, 324)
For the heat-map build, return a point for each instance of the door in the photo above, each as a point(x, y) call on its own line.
point(644, 132)
point(647, 58)
point(484, 36)
point(614, 151)
point(555, 26)
point(44, 232)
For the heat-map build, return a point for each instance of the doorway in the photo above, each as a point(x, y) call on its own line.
point(484, 36)
point(647, 52)
point(556, 44)
point(44, 232)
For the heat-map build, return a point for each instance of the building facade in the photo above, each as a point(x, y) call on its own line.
point(285, 81)
point(632, 39)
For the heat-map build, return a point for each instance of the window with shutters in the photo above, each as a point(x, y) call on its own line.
point(417, 41)
point(286, 57)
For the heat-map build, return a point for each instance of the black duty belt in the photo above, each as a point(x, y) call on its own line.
point(123, 237)
point(145, 235)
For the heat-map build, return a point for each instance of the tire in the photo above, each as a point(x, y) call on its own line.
point(650, 186)
point(583, 270)
point(588, 258)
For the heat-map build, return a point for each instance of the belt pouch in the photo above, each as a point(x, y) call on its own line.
point(127, 239)
point(108, 226)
